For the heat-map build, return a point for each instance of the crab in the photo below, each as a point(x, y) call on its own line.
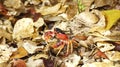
point(62, 40)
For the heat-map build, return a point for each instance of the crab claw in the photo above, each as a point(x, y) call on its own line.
point(48, 35)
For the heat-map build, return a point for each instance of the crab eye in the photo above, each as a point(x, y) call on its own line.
point(59, 30)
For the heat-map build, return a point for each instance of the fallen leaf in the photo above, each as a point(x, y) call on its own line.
point(86, 17)
point(31, 47)
point(113, 55)
point(21, 52)
point(5, 53)
point(111, 17)
point(3, 64)
point(23, 29)
point(105, 63)
point(40, 22)
point(105, 46)
point(5, 34)
point(18, 63)
point(45, 10)
point(72, 10)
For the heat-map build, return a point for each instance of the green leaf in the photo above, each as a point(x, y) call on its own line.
point(111, 17)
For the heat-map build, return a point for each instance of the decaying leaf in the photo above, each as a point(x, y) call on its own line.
point(35, 63)
point(86, 17)
point(40, 22)
point(100, 25)
point(31, 47)
point(72, 10)
point(106, 36)
point(3, 64)
point(104, 46)
point(86, 3)
point(105, 63)
point(114, 35)
point(21, 52)
point(14, 4)
point(41, 55)
point(102, 3)
point(23, 28)
point(90, 32)
point(72, 60)
point(5, 34)
point(113, 55)
point(5, 53)
point(45, 10)
point(111, 17)
point(35, 60)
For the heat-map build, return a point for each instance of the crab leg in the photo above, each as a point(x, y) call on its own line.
point(68, 46)
point(61, 47)
point(71, 46)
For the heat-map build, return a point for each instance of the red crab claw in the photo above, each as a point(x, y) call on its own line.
point(48, 35)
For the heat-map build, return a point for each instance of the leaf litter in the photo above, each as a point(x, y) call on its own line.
point(59, 33)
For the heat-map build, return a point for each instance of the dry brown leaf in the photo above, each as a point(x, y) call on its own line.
point(100, 25)
point(45, 10)
point(87, 3)
point(113, 55)
point(101, 3)
point(31, 47)
point(5, 34)
point(21, 52)
point(86, 17)
point(105, 63)
point(14, 3)
point(3, 64)
point(72, 10)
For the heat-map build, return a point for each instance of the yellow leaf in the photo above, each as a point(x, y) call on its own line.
point(21, 52)
point(111, 17)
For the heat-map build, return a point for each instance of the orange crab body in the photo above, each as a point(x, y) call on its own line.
point(62, 36)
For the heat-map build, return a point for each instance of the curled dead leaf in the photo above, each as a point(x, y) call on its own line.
point(45, 10)
point(21, 52)
point(86, 17)
point(72, 10)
